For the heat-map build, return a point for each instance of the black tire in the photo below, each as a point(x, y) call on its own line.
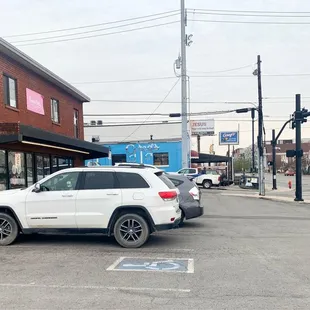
point(182, 219)
point(8, 229)
point(207, 184)
point(131, 230)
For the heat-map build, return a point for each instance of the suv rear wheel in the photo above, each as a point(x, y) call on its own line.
point(8, 229)
point(207, 184)
point(131, 230)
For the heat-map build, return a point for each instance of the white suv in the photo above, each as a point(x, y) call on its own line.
point(129, 203)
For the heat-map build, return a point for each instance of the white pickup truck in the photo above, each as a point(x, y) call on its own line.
point(207, 180)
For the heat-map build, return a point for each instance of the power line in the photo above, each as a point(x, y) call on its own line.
point(192, 76)
point(246, 15)
point(88, 26)
point(248, 22)
point(250, 75)
point(222, 71)
point(169, 92)
point(96, 30)
point(239, 11)
point(100, 35)
point(129, 80)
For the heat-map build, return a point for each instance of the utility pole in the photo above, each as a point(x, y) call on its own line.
point(185, 144)
point(274, 165)
point(261, 175)
point(253, 139)
point(298, 150)
point(198, 143)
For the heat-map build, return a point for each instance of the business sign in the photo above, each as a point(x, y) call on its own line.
point(229, 138)
point(34, 101)
point(202, 127)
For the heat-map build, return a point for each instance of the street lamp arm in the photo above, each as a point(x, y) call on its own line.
point(280, 132)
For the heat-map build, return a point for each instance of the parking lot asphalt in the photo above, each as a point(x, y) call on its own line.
point(244, 254)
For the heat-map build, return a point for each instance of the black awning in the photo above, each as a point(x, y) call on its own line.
point(32, 135)
point(210, 158)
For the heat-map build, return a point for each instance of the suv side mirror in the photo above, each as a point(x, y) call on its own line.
point(37, 188)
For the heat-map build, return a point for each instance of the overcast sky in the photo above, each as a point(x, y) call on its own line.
point(150, 53)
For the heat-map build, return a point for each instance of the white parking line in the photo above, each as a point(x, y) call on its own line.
point(94, 287)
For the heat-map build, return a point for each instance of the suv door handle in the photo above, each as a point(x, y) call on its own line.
point(67, 195)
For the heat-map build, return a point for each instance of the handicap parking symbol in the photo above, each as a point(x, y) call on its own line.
point(153, 264)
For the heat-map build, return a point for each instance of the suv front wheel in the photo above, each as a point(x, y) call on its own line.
point(8, 229)
point(131, 230)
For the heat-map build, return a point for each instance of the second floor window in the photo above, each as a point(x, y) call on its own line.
point(55, 110)
point(76, 123)
point(10, 91)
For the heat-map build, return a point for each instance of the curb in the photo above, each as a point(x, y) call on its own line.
point(272, 198)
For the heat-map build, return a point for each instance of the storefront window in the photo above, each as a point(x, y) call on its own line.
point(59, 163)
point(29, 159)
point(3, 171)
point(16, 169)
point(54, 164)
point(47, 166)
point(39, 162)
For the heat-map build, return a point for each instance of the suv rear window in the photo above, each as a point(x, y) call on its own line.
point(131, 180)
point(165, 180)
point(176, 182)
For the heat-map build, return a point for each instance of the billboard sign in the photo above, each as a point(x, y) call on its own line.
point(229, 138)
point(34, 101)
point(202, 127)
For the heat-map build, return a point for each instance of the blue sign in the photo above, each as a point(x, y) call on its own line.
point(153, 264)
point(229, 137)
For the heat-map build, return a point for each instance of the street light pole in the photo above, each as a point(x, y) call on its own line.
point(253, 139)
point(260, 129)
point(274, 163)
point(185, 144)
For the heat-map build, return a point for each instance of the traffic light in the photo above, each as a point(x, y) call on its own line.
point(304, 114)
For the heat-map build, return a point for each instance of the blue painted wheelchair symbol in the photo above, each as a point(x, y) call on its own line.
point(153, 264)
point(160, 265)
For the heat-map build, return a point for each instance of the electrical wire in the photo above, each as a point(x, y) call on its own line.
point(246, 15)
point(125, 81)
point(250, 75)
point(258, 12)
point(222, 71)
point(248, 22)
point(192, 76)
point(100, 35)
point(158, 106)
point(96, 30)
point(89, 26)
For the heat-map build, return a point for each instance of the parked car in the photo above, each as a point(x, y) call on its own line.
point(125, 202)
point(189, 197)
point(187, 171)
point(289, 172)
point(208, 180)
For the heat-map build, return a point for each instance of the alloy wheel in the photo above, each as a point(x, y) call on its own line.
point(131, 230)
point(5, 229)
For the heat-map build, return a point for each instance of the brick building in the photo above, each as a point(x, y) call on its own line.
point(283, 162)
point(41, 121)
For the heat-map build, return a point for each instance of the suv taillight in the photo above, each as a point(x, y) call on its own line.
point(219, 178)
point(168, 195)
point(194, 192)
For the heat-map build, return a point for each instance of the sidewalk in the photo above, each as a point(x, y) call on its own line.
point(282, 194)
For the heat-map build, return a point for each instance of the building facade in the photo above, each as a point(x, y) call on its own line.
point(41, 121)
point(166, 155)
